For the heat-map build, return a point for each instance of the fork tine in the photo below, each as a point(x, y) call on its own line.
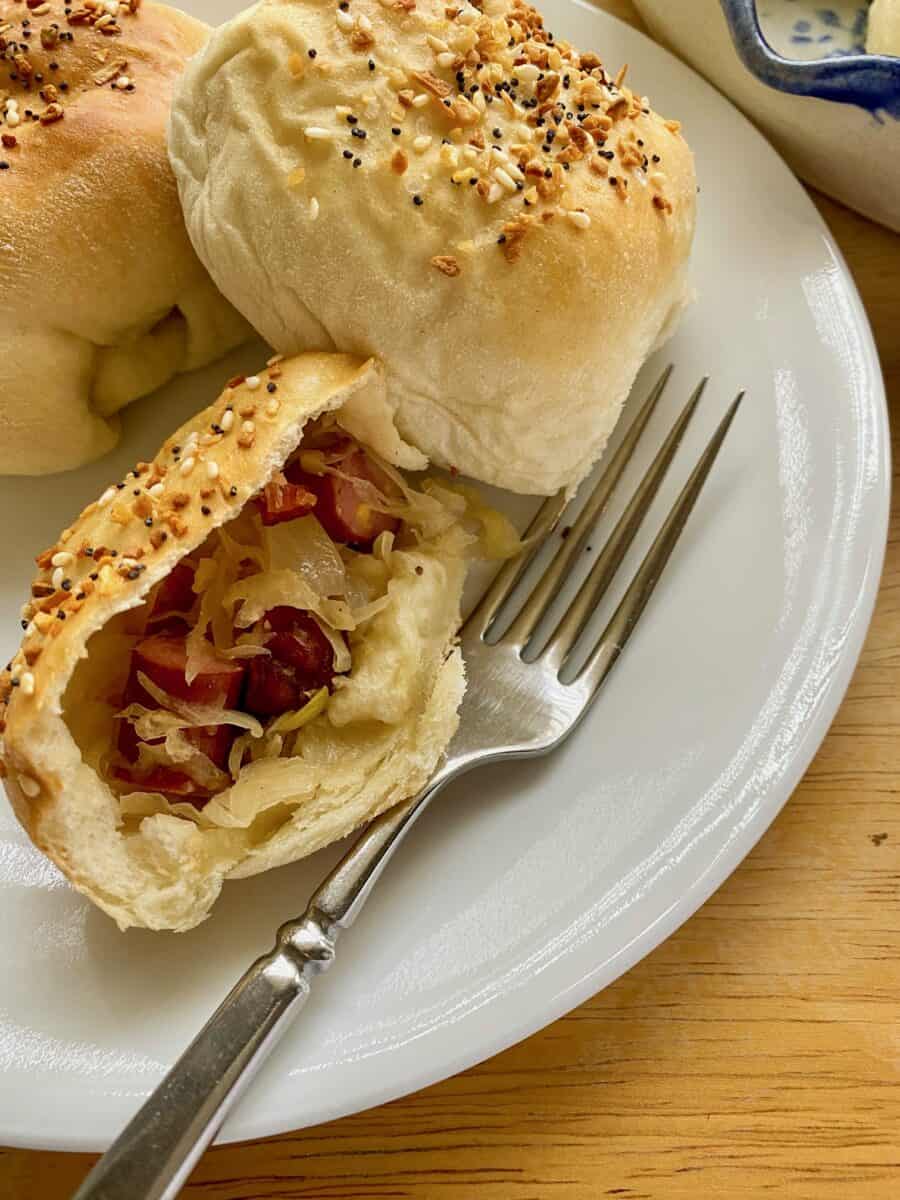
point(614, 638)
point(542, 525)
point(604, 569)
point(547, 586)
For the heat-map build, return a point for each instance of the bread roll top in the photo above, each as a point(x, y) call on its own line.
point(379, 741)
point(499, 217)
point(101, 296)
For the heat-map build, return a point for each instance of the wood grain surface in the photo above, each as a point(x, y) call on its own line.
point(755, 1053)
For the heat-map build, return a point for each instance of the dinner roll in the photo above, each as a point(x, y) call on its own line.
point(883, 36)
point(493, 215)
point(101, 297)
point(377, 739)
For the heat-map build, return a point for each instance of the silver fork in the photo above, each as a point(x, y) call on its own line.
point(520, 702)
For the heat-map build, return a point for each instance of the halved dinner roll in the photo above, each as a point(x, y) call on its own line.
point(501, 220)
point(240, 652)
point(102, 298)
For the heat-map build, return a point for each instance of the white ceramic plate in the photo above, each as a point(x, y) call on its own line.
point(527, 888)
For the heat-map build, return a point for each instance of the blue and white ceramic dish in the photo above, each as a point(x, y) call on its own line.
point(802, 49)
point(800, 71)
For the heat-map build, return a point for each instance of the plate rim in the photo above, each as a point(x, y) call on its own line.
point(565, 999)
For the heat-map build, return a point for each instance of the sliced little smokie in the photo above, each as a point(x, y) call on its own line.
point(174, 595)
point(162, 659)
point(284, 501)
point(344, 501)
point(300, 660)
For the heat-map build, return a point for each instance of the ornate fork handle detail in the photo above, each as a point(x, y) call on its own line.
point(153, 1156)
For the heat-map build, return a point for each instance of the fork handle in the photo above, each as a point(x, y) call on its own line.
point(156, 1152)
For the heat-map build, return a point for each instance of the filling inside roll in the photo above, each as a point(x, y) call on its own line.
point(293, 621)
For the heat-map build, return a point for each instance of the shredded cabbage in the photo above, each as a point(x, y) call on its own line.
point(248, 650)
point(269, 746)
point(259, 593)
point(231, 558)
point(290, 722)
point(303, 546)
point(383, 546)
point(339, 647)
point(246, 569)
point(197, 715)
point(177, 751)
point(498, 538)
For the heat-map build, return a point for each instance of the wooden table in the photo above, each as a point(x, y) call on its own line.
point(755, 1053)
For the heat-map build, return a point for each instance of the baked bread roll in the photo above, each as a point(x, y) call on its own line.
point(101, 297)
point(883, 34)
point(493, 215)
point(242, 651)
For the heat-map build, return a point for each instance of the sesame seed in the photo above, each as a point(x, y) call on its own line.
point(212, 470)
point(364, 23)
point(395, 131)
point(311, 53)
point(420, 101)
point(579, 219)
point(421, 144)
point(232, 491)
point(205, 509)
point(227, 420)
point(418, 201)
point(318, 133)
point(446, 60)
point(248, 427)
point(188, 465)
point(107, 496)
point(272, 407)
point(253, 383)
point(504, 179)
point(271, 387)
point(344, 21)
point(56, 578)
point(313, 209)
point(62, 558)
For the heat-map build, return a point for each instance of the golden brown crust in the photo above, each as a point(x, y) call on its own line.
point(521, 204)
point(94, 251)
point(134, 533)
point(164, 872)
